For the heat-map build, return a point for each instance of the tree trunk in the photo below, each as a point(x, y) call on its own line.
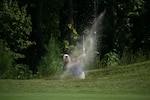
point(70, 20)
point(94, 8)
point(9, 2)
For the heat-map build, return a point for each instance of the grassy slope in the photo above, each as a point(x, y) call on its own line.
point(130, 82)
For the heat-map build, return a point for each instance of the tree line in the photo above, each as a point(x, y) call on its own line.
point(35, 34)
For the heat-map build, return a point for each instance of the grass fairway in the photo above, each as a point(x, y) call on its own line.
point(130, 82)
point(75, 96)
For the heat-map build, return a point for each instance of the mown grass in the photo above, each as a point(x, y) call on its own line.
point(130, 82)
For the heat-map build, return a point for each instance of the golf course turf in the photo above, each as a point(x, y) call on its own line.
point(131, 82)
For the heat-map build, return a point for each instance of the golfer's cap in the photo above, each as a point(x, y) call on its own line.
point(65, 55)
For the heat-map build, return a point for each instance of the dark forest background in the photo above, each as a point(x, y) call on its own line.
point(34, 34)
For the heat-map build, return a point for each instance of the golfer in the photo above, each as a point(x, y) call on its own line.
point(73, 66)
point(67, 59)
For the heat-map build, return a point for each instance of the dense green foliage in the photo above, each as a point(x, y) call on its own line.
point(6, 62)
point(14, 35)
point(27, 27)
point(51, 63)
point(15, 26)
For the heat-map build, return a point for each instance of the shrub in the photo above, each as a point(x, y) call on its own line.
point(22, 71)
point(6, 62)
point(51, 62)
point(110, 59)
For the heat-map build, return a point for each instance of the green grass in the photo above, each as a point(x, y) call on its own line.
point(130, 82)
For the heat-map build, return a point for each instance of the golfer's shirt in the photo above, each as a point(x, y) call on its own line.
point(75, 69)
